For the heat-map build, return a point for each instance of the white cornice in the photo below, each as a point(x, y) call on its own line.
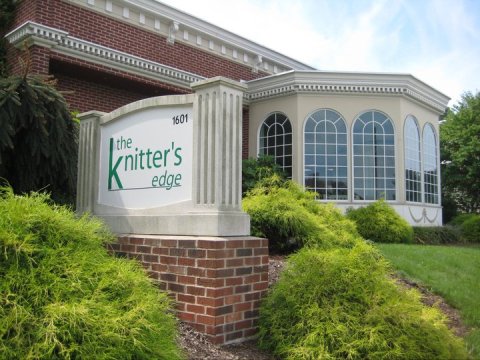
point(219, 33)
point(158, 17)
point(348, 83)
point(59, 41)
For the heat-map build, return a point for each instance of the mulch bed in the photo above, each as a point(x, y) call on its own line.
point(198, 347)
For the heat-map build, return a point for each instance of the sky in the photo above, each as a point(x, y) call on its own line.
point(437, 41)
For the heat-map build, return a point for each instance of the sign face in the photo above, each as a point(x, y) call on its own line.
point(146, 158)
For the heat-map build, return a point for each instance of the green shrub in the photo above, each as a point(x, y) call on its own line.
point(470, 229)
point(468, 224)
point(63, 296)
point(340, 304)
point(436, 235)
point(379, 222)
point(290, 217)
point(255, 170)
point(461, 218)
point(258, 169)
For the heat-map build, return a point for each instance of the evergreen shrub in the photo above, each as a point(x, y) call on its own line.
point(339, 303)
point(461, 218)
point(470, 229)
point(258, 169)
point(291, 217)
point(436, 235)
point(468, 224)
point(379, 222)
point(62, 296)
point(38, 137)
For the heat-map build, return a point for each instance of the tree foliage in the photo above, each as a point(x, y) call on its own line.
point(257, 169)
point(38, 138)
point(7, 8)
point(460, 153)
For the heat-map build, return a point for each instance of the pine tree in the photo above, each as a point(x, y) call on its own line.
point(38, 137)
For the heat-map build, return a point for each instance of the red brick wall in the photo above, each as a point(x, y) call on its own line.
point(107, 98)
point(95, 87)
point(89, 94)
point(94, 27)
point(35, 57)
point(26, 10)
point(217, 282)
point(121, 88)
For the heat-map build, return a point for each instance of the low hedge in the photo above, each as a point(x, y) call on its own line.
point(63, 296)
point(339, 303)
point(379, 222)
point(436, 235)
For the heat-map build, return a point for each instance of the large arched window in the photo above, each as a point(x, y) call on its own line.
point(373, 157)
point(413, 171)
point(430, 168)
point(275, 139)
point(326, 155)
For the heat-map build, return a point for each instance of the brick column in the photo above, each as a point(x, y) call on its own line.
point(217, 282)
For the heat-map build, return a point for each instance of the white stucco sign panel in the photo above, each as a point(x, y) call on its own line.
point(146, 158)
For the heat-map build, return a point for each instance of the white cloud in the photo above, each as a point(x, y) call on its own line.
point(435, 40)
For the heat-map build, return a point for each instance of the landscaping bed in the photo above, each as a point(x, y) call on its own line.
point(197, 346)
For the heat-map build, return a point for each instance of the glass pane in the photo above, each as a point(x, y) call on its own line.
point(309, 149)
point(331, 138)
point(309, 138)
point(310, 125)
point(276, 140)
point(320, 138)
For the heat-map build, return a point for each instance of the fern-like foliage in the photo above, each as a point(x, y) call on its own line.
point(38, 138)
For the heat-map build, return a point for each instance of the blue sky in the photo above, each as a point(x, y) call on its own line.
point(437, 41)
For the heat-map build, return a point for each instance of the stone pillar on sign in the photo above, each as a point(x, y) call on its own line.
point(87, 171)
point(217, 144)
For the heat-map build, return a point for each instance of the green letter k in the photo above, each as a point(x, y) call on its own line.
point(112, 172)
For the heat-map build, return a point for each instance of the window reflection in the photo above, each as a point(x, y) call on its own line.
point(373, 157)
point(325, 145)
point(276, 140)
point(430, 171)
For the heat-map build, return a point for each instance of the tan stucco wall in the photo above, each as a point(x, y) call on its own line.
point(299, 106)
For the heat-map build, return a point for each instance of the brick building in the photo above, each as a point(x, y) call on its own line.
point(350, 137)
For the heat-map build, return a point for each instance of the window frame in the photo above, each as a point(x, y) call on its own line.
point(437, 166)
point(418, 160)
point(393, 168)
point(326, 144)
point(259, 141)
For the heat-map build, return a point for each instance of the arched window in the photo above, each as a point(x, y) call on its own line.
point(325, 142)
point(275, 139)
point(430, 168)
point(373, 157)
point(413, 171)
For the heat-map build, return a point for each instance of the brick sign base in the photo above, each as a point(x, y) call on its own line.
point(217, 282)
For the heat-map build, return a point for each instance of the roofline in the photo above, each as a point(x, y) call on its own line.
point(347, 83)
point(215, 31)
point(375, 74)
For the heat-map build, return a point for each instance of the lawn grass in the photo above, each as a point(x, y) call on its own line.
point(449, 271)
